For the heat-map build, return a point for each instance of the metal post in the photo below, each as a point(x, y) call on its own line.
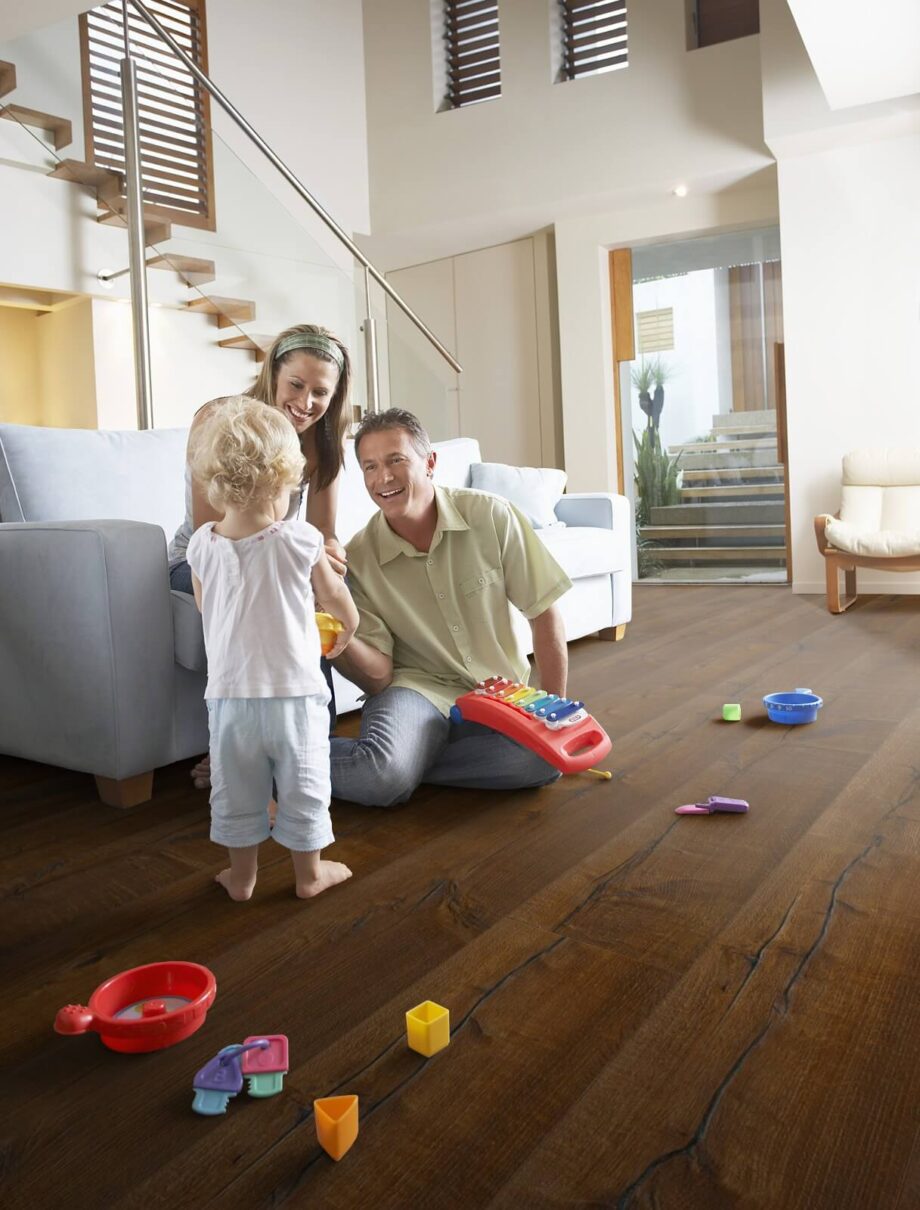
point(136, 241)
point(369, 327)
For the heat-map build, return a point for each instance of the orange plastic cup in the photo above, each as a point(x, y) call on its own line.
point(336, 1123)
point(328, 627)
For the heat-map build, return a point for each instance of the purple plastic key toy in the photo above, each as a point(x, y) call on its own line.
point(714, 804)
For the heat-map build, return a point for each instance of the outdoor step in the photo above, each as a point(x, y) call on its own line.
point(59, 130)
point(705, 533)
point(751, 443)
point(749, 431)
point(192, 269)
point(229, 311)
point(717, 554)
point(717, 462)
point(728, 492)
point(81, 173)
point(742, 512)
point(733, 474)
point(7, 77)
point(764, 418)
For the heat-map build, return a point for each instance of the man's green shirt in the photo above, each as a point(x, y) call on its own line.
point(443, 615)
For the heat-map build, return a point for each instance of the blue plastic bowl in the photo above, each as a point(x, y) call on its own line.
point(801, 706)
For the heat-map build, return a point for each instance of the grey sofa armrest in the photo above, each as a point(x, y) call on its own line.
point(86, 645)
point(599, 510)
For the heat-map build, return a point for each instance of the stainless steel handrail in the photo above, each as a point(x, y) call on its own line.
point(292, 180)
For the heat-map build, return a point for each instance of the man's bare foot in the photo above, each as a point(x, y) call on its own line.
point(330, 874)
point(236, 890)
point(201, 774)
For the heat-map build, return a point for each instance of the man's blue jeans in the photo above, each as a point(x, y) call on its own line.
point(405, 741)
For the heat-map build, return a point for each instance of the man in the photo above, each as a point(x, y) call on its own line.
point(433, 575)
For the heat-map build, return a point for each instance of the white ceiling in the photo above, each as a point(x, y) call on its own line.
point(862, 50)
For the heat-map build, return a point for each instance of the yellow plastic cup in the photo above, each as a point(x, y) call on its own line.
point(328, 627)
point(428, 1028)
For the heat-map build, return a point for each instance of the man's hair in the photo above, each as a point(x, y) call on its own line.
point(246, 453)
point(395, 418)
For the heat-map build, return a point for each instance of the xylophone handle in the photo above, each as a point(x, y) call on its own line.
point(584, 748)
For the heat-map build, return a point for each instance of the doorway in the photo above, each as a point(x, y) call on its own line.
point(701, 407)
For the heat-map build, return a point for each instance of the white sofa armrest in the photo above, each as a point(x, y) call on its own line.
point(598, 510)
point(86, 645)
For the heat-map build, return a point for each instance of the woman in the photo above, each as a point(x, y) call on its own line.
point(307, 376)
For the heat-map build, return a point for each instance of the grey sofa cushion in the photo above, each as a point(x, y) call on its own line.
point(84, 474)
point(188, 636)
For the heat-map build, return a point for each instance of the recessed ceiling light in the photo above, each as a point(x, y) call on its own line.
point(680, 191)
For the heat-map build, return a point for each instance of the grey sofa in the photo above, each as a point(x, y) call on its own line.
point(102, 667)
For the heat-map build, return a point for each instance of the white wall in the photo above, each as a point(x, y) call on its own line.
point(443, 183)
point(848, 188)
point(67, 367)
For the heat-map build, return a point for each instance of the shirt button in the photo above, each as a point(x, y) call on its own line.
point(482, 580)
point(429, 561)
point(469, 659)
point(440, 596)
point(455, 627)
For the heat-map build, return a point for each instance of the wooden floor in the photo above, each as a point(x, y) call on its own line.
point(647, 1010)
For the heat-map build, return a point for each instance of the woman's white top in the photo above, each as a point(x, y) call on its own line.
point(179, 545)
point(258, 610)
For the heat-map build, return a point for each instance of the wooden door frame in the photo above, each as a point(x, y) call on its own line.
point(782, 442)
point(622, 330)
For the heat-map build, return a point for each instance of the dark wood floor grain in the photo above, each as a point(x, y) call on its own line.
point(646, 1010)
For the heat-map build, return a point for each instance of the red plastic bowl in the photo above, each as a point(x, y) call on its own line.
point(155, 1025)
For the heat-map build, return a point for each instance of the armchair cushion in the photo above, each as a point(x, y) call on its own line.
point(874, 543)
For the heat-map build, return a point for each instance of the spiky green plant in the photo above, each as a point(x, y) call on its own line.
point(657, 475)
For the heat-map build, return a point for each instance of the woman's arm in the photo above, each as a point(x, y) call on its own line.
point(321, 509)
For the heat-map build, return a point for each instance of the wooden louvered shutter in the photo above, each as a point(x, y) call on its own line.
point(593, 36)
point(173, 110)
point(473, 65)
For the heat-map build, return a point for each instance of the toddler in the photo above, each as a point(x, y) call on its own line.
point(255, 576)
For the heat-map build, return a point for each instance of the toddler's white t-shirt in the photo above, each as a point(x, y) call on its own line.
point(257, 609)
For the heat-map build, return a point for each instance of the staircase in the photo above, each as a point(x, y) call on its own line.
point(108, 189)
point(730, 522)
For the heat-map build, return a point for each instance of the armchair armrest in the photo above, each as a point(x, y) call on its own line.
point(86, 645)
point(600, 510)
point(821, 531)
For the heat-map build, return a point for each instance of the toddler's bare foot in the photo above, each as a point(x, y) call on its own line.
point(201, 774)
point(330, 873)
point(236, 890)
point(272, 812)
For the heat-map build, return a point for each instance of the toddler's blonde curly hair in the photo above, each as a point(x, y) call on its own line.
point(246, 454)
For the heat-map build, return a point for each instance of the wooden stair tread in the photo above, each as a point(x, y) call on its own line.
point(227, 310)
point(7, 77)
point(246, 341)
point(732, 472)
point(718, 554)
point(155, 231)
point(60, 129)
point(81, 173)
point(662, 533)
point(194, 270)
point(741, 489)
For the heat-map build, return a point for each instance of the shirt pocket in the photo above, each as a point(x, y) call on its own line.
point(483, 593)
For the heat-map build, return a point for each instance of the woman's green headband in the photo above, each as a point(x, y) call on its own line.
point(311, 342)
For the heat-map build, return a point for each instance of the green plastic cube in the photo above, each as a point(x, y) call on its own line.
point(731, 712)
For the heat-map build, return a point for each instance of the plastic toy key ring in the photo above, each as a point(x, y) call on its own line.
point(145, 1008)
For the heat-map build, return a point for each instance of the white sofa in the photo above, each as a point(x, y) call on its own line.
point(103, 666)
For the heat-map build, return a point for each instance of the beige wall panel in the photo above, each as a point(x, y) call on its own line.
point(67, 370)
point(497, 345)
point(419, 378)
point(20, 390)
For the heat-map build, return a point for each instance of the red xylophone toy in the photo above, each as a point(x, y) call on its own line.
point(559, 730)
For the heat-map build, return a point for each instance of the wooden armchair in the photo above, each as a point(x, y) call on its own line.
point(878, 524)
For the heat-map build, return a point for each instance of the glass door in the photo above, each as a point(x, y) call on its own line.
point(701, 439)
